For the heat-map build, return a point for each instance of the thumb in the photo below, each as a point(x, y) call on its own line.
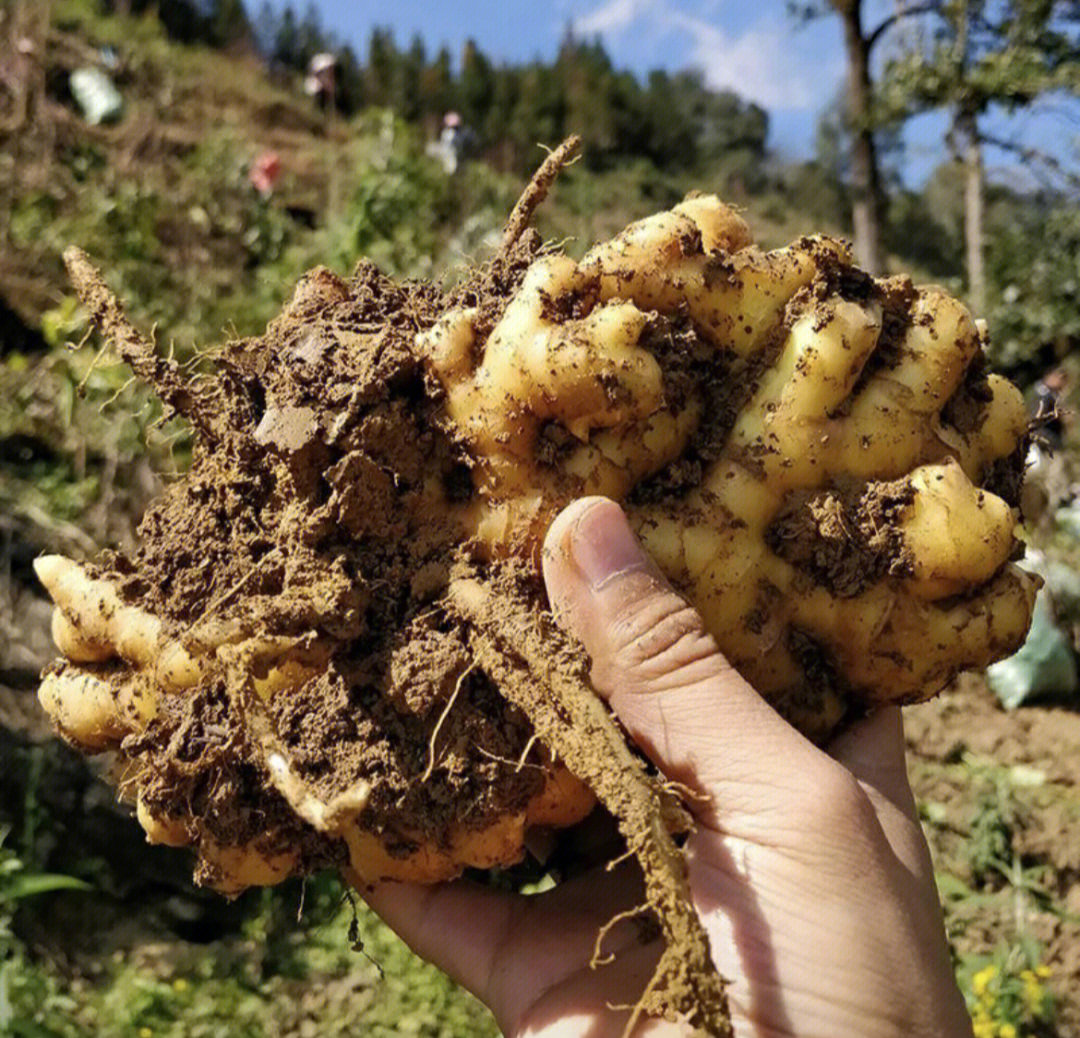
point(662, 673)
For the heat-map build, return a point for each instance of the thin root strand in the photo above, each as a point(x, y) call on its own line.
point(135, 350)
point(533, 195)
point(439, 723)
point(574, 724)
point(598, 957)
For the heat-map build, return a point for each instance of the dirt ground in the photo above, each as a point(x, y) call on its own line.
point(1000, 798)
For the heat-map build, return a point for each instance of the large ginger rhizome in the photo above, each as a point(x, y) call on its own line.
point(332, 646)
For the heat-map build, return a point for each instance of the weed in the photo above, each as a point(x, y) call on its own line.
point(31, 1004)
point(1006, 992)
point(1001, 970)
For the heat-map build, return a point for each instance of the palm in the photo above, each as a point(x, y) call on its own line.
point(531, 958)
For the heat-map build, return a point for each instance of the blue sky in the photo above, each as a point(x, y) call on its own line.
point(751, 46)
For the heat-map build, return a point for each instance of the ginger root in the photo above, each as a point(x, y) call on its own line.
point(95, 710)
point(838, 391)
point(331, 647)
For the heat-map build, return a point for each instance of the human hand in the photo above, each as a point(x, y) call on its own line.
point(808, 867)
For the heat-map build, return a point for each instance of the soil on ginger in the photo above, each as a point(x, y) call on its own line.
point(307, 513)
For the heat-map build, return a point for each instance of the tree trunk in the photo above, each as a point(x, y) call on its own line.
point(971, 154)
point(868, 195)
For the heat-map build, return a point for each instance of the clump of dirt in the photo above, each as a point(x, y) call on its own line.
point(194, 761)
point(896, 295)
point(845, 539)
point(965, 408)
point(307, 512)
point(693, 367)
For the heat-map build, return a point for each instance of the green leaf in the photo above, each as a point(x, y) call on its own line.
point(32, 884)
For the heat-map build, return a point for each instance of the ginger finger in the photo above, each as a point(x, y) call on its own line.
point(565, 800)
point(75, 645)
point(957, 536)
point(169, 832)
point(990, 429)
point(95, 613)
point(96, 709)
point(230, 870)
point(953, 635)
point(500, 844)
point(698, 255)
point(83, 708)
point(940, 343)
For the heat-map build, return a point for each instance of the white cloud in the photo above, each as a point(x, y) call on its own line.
point(612, 17)
point(767, 62)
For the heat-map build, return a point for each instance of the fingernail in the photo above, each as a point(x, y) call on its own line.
point(603, 545)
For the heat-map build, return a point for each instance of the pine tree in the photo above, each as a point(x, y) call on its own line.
point(380, 71)
point(477, 89)
point(229, 23)
point(286, 39)
point(412, 64)
point(437, 88)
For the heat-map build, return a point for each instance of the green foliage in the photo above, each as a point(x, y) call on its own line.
point(397, 208)
point(975, 53)
point(280, 974)
point(1033, 264)
point(378, 219)
point(218, 23)
point(915, 230)
point(31, 1005)
point(18, 882)
point(63, 322)
point(1006, 992)
point(997, 901)
point(76, 439)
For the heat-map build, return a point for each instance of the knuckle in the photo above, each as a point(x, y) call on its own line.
point(660, 638)
point(835, 800)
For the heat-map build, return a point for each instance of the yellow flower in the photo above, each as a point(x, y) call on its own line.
point(981, 980)
point(1033, 993)
point(145, 1032)
point(1042, 970)
point(180, 985)
point(1006, 1031)
point(982, 1023)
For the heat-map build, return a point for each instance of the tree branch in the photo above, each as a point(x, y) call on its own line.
point(907, 12)
point(1029, 154)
